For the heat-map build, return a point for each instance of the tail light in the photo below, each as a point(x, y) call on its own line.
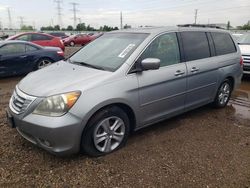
point(61, 53)
point(241, 61)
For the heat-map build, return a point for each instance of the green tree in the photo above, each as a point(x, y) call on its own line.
point(70, 28)
point(27, 27)
point(81, 27)
point(244, 27)
point(57, 27)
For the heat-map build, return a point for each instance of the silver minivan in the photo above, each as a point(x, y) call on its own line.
point(121, 82)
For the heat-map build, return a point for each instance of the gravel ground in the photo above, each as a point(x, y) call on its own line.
point(202, 148)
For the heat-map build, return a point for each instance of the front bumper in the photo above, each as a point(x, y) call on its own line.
point(57, 135)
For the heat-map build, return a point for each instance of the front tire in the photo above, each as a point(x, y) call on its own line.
point(223, 94)
point(107, 131)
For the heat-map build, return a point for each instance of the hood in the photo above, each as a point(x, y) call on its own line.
point(245, 49)
point(61, 77)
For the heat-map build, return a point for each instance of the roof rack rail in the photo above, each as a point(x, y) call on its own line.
point(201, 25)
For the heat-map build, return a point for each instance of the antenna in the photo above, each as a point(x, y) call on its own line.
point(74, 10)
point(59, 11)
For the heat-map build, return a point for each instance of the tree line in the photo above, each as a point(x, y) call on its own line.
point(79, 27)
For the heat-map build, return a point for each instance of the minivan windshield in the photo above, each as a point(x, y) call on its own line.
point(244, 39)
point(109, 51)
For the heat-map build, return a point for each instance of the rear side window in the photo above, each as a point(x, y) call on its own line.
point(223, 43)
point(40, 37)
point(195, 45)
point(30, 48)
point(12, 49)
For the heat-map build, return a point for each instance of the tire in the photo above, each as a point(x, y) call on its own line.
point(43, 63)
point(223, 94)
point(98, 139)
point(72, 43)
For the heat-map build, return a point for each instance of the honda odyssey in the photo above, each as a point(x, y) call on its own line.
point(121, 82)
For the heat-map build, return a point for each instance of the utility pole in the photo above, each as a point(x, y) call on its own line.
point(74, 10)
point(79, 20)
point(9, 17)
point(1, 25)
point(21, 21)
point(121, 19)
point(59, 11)
point(195, 16)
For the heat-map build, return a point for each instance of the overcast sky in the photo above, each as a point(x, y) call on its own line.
point(135, 12)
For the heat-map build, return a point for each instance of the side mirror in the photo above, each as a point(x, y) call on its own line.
point(150, 64)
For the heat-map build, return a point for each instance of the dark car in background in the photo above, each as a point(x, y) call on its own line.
point(3, 35)
point(20, 57)
point(42, 39)
point(79, 39)
point(59, 34)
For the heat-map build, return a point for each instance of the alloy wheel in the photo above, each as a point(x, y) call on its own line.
point(109, 134)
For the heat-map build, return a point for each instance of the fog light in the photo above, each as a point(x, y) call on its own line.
point(45, 142)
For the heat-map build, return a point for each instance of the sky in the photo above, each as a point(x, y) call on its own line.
point(135, 12)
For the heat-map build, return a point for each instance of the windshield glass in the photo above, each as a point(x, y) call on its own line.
point(109, 51)
point(245, 39)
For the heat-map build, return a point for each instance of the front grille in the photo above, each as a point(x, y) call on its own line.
point(246, 59)
point(20, 101)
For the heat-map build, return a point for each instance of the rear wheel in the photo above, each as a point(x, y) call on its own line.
point(43, 63)
point(223, 94)
point(106, 132)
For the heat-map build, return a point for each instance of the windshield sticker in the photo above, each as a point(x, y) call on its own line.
point(126, 50)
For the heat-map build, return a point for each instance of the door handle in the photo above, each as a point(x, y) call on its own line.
point(194, 69)
point(23, 56)
point(179, 73)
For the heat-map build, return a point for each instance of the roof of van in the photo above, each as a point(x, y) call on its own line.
point(155, 30)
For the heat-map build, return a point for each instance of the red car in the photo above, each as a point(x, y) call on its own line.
point(80, 39)
point(41, 39)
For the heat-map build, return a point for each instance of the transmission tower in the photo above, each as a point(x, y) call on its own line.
point(9, 17)
point(59, 11)
point(74, 10)
point(21, 20)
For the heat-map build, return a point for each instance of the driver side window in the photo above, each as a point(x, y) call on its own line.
point(165, 48)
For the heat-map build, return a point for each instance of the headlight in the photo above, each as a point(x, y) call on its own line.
point(57, 105)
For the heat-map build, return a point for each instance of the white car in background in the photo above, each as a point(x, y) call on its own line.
point(244, 44)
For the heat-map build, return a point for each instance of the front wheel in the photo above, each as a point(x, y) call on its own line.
point(223, 94)
point(106, 132)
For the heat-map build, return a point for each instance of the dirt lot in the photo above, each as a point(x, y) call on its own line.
point(203, 148)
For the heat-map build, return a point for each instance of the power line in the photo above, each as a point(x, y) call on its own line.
point(59, 11)
point(74, 10)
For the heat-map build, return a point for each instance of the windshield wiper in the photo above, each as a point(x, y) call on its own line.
point(87, 65)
